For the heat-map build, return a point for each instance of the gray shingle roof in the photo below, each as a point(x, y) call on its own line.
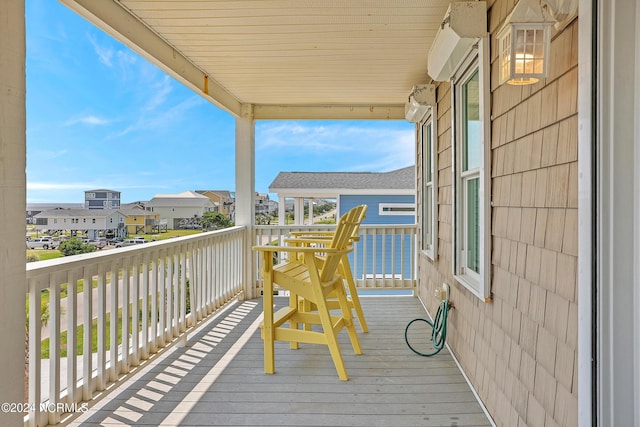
point(398, 179)
point(73, 213)
point(187, 198)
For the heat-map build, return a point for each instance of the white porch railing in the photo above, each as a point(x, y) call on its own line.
point(159, 290)
point(383, 259)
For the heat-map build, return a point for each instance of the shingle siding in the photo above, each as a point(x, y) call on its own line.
point(520, 350)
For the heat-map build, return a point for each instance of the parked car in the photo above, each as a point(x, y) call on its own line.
point(131, 242)
point(115, 240)
point(99, 243)
point(46, 242)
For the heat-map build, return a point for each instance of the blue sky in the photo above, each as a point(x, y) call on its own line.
point(101, 116)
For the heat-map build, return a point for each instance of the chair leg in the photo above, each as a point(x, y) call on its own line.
point(348, 318)
point(345, 269)
point(268, 333)
point(332, 339)
point(293, 303)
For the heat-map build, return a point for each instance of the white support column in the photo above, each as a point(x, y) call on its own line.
point(245, 189)
point(282, 218)
point(616, 240)
point(12, 206)
point(298, 211)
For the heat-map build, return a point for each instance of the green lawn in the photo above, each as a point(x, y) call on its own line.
point(80, 338)
point(43, 254)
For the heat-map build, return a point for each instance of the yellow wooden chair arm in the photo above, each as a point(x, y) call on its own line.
point(304, 249)
point(312, 233)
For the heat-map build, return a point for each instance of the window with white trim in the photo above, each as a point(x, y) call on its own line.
point(471, 241)
point(396, 209)
point(429, 186)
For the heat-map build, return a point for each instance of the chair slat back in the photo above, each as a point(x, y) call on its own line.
point(342, 238)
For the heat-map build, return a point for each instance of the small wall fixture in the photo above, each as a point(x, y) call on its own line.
point(420, 99)
point(463, 25)
point(524, 43)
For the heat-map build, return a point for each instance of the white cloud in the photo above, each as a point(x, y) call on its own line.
point(58, 186)
point(105, 53)
point(49, 154)
point(163, 119)
point(85, 185)
point(160, 92)
point(88, 120)
point(300, 136)
point(365, 147)
point(112, 57)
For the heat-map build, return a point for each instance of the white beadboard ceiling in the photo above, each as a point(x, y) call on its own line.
point(289, 58)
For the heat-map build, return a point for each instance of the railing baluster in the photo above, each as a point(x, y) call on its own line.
point(208, 279)
point(365, 244)
point(72, 326)
point(393, 280)
point(102, 328)
point(183, 288)
point(145, 307)
point(35, 370)
point(162, 298)
point(126, 315)
point(54, 345)
point(172, 300)
point(87, 319)
point(153, 283)
point(135, 315)
point(113, 323)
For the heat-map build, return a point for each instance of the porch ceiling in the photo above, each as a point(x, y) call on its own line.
point(289, 58)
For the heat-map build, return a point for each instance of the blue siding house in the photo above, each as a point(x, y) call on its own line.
point(390, 197)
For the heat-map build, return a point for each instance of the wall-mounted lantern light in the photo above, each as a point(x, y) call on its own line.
point(420, 99)
point(524, 44)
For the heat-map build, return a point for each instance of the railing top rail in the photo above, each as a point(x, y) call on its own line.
point(372, 226)
point(41, 268)
point(330, 226)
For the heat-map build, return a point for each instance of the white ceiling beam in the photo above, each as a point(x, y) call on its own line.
point(329, 112)
point(119, 23)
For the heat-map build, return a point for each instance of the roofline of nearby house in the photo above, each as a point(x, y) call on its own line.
point(333, 193)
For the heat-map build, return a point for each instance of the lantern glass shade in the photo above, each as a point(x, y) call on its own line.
point(524, 51)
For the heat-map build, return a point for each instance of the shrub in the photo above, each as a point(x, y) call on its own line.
point(75, 246)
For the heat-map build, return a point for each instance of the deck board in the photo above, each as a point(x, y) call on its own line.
point(215, 381)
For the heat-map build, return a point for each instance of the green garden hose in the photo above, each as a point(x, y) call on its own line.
point(438, 330)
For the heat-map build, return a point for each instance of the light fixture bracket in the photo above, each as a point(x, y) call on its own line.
point(420, 99)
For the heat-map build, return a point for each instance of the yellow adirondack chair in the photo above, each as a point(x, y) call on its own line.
point(314, 279)
point(307, 238)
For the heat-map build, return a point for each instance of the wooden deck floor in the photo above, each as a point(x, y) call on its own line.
point(218, 380)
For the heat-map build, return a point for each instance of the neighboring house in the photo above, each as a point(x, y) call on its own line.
point(140, 221)
point(35, 208)
point(134, 205)
point(102, 199)
point(182, 210)
point(90, 221)
point(390, 197)
point(223, 200)
point(263, 204)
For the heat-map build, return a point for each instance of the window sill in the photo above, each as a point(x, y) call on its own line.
point(474, 287)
